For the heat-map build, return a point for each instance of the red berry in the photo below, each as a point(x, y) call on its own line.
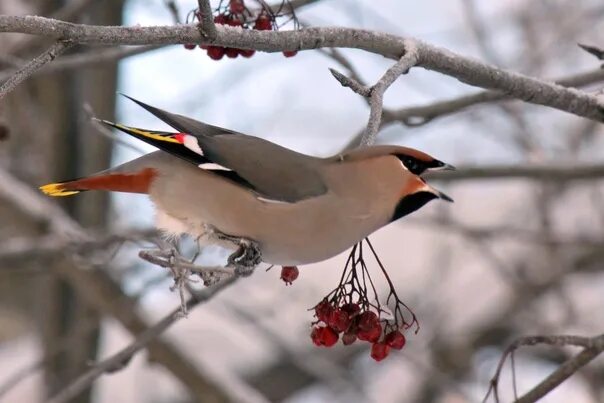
point(379, 351)
point(216, 52)
point(395, 339)
point(235, 22)
point(338, 320)
point(204, 47)
point(351, 309)
point(290, 53)
point(288, 273)
point(348, 338)
point(189, 46)
point(323, 311)
point(221, 19)
point(233, 53)
point(324, 336)
point(371, 335)
point(247, 52)
point(367, 320)
point(236, 6)
point(263, 23)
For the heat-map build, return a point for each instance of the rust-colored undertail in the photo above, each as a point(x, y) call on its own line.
point(138, 182)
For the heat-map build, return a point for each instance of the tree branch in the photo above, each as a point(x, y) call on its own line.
point(564, 371)
point(118, 361)
point(30, 68)
point(376, 98)
point(592, 348)
point(467, 70)
point(207, 28)
point(544, 172)
point(419, 115)
point(84, 59)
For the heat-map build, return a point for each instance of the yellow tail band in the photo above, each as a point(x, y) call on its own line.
point(55, 189)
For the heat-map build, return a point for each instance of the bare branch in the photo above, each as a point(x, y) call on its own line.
point(592, 348)
point(467, 70)
point(336, 55)
point(565, 370)
point(420, 115)
point(376, 93)
point(33, 66)
point(207, 28)
point(351, 83)
point(118, 361)
point(547, 172)
point(85, 59)
point(376, 99)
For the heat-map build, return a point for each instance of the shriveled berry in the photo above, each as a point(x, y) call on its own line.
point(290, 53)
point(216, 52)
point(247, 52)
point(371, 335)
point(323, 311)
point(395, 339)
point(338, 320)
point(288, 273)
point(379, 351)
point(367, 320)
point(348, 338)
point(324, 336)
point(263, 22)
point(351, 309)
point(236, 6)
point(189, 46)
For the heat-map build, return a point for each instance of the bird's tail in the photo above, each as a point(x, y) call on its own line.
point(136, 182)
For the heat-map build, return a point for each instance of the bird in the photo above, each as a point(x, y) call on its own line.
point(223, 186)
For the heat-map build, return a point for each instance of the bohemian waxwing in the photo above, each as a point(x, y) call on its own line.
point(298, 209)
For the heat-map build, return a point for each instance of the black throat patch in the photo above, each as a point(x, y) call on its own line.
point(409, 204)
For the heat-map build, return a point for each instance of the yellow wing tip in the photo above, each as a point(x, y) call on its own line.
point(56, 189)
point(143, 133)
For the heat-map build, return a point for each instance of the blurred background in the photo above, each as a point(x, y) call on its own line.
point(511, 257)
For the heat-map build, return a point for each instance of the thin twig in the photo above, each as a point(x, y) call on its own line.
point(85, 59)
point(173, 9)
point(376, 100)
point(414, 116)
point(207, 28)
point(593, 346)
point(375, 94)
point(564, 371)
point(554, 173)
point(119, 360)
point(30, 68)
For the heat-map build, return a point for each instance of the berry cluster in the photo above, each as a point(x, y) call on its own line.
point(351, 311)
point(234, 13)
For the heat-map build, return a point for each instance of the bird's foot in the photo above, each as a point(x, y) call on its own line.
point(245, 258)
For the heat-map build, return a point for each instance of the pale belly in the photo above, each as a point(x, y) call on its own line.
point(289, 234)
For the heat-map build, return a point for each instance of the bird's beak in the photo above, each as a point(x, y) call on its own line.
point(438, 193)
point(443, 196)
point(444, 167)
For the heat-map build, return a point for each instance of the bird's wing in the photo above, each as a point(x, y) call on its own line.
point(275, 173)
